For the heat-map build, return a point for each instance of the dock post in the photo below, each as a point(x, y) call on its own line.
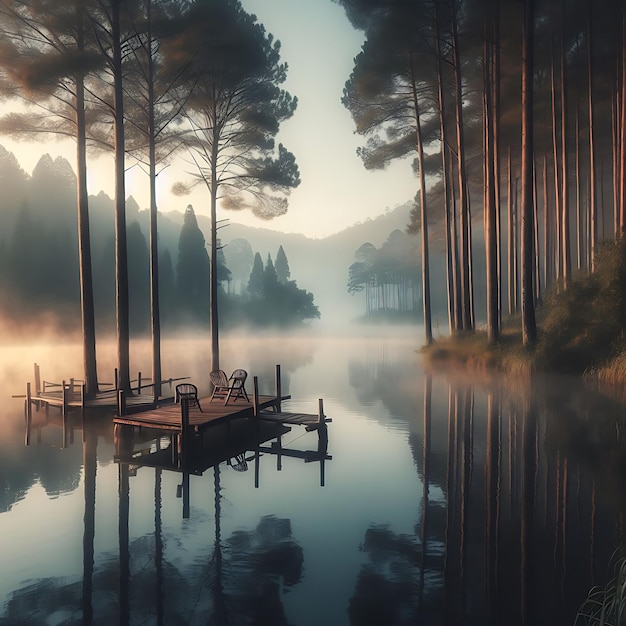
point(279, 391)
point(29, 405)
point(37, 379)
point(121, 403)
point(28, 414)
point(64, 393)
point(64, 398)
point(255, 397)
point(184, 433)
point(116, 379)
point(139, 382)
point(322, 429)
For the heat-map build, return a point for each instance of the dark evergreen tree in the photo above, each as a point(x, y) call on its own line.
point(282, 266)
point(193, 270)
point(270, 279)
point(255, 282)
point(138, 279)
point(239, 258)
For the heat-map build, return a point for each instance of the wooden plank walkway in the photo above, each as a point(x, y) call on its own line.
point(169, 417)
point(311, 421)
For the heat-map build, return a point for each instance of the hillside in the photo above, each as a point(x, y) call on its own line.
point(318, 265)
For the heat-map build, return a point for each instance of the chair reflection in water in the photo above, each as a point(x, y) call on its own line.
point(188, 391)
point(229, 388)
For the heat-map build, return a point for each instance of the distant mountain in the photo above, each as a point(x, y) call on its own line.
point(318, 265)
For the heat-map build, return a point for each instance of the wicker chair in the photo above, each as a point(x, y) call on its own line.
point(231, 388)
point(187, 391)
point(221, 386)
point(237, 382)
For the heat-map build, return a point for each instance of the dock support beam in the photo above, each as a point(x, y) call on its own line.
point(121, 403)
point(279, 393)
point(29, 400)
point(322, 429)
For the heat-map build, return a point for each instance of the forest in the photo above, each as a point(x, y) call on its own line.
point(513, 110)
point(39, 269)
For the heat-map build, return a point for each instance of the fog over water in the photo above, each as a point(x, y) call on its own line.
point(452, 498)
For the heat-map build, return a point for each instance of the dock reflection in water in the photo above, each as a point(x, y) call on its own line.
point(447, 501)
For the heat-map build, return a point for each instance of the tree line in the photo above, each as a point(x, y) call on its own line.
point(515, 109)
point(146, 80)
point(387, 276)
point(39, 266)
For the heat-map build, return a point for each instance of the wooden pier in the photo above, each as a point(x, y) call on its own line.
point(140, 410)
point(70, 395)
point(187, 417)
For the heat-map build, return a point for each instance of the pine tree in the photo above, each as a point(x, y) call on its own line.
point(193, 268)
point(282, 266)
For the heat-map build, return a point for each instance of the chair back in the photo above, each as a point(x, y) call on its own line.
point(218, 378)
point(239, 378)
point(186, 390)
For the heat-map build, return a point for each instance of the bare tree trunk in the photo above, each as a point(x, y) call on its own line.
point(536, 266)
point(465, 228)
point(121, 252)
point(622, 133)
point(529, 328)
point(456, 279)
point(428, 332)
point(155, 315)
point(510, 239)
point(579, 233)
point(491, 249)
point(593, 235)
point(564, 154)
point(615, 115)
point(558, 247)
point(84, 238)
point(547, 230)
point(214, 321)
point(444, 169)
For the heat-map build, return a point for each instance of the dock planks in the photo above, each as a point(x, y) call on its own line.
point(169, 417)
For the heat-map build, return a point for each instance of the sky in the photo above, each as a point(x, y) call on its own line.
point(336, 191)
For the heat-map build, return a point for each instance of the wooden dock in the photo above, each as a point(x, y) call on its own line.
point(140, 410)
point(170, 416)
point(70, 395)
point(186, 417)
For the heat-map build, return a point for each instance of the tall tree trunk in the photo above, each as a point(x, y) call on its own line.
point(622, 133)
point(121, 251)
point(567, 261)
point(510, 238)
point(547, 230)
point(615, 115)
point(529, 328)
point(593, 235)
point(214, 323)
point(491, 249)
point(465, 261)
point(444, 168)
point(579, 233)
point(536, 247)
point(456, 272)
point(495, 82)
point(428, 332)
point(558, 247)
point(155, 315)
point(84, 238)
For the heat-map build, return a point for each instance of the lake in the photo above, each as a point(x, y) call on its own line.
point(441, 498)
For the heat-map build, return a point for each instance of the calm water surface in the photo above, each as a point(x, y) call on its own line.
point(439, 500)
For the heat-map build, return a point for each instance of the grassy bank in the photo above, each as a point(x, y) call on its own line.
point(581, 330)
